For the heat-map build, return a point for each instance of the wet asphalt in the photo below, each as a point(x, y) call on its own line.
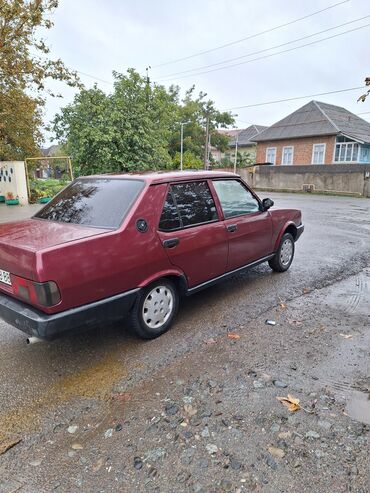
point(36, 380)
point(335, 244)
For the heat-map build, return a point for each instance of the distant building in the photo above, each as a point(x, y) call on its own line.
point(50, 151)
point(240, 139)
point(316, 133)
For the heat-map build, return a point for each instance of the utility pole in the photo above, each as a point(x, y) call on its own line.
point(206, 144)
point(147, 84)
point(236, 151)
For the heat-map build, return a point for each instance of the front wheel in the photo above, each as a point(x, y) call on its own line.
point(284, 255)
point(155, 309)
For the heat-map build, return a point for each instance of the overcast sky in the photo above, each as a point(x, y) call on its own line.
point(96, 37)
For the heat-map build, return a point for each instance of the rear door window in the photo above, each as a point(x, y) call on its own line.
point(188, 204)
point(98, 202)
point(170, 218)
point(235, 198)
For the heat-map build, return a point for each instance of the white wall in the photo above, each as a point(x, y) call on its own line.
point(13, 180)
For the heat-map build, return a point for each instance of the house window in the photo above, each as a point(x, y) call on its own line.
point(365, 154)
point(271, 155)
point(346, 152)
point(318, 153)
point(287, 157)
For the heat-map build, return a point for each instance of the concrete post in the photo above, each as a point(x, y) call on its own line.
point(13, 180)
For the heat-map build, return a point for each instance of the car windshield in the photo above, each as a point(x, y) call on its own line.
point(98, 202)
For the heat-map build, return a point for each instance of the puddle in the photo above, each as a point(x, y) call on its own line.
point(95, 381)
point(358, 407)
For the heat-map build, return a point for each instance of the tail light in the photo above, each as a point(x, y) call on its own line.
point(37, 293)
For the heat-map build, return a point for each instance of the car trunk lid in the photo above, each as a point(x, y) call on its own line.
point(20, 241)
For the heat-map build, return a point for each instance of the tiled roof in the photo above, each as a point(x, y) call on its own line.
point(316, 118)
point(245, 137)
point(232, 132)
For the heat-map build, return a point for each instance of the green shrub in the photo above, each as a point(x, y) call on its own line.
point(45, 188)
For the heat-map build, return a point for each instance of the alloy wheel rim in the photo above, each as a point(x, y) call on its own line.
point(157, 307)
point(286, 252)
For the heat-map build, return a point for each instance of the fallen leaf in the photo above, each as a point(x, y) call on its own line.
point(233, 336)
point(346, 336)
point(98, 465)
point(77, 446)
point(276, 452)
point(282, 305)
point(292, 403)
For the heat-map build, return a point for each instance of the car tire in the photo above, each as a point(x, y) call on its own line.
point(284, 255)
point(154, 309)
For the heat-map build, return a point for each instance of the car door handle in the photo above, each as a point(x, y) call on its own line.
point(231, 227)
point(172, 242)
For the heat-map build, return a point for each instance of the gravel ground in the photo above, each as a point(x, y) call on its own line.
point(211, 421)
point(196, 410)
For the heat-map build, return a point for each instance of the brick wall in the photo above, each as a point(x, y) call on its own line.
point(303, 148)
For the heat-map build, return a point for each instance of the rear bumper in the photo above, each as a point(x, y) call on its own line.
point(300, 230)
point(36, 323)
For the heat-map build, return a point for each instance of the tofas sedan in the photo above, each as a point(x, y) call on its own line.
point(111, 246)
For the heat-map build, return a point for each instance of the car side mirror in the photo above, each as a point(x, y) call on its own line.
point(267, 203)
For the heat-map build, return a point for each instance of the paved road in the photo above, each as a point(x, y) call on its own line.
point(16, 212)
point(35, 378)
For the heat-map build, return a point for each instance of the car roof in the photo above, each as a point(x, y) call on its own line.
point(153, 178)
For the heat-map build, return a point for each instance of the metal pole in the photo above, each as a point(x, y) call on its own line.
point(236, 152)
point(70, 167)
point(206, 145)
point(181, 144)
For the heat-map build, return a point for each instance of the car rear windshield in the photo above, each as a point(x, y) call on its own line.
point(98, 202)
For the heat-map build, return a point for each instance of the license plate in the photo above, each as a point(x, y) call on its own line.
point(5, 277)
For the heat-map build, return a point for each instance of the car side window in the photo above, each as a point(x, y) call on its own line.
point(195, 203)
point(188, 204)
point(170, 218)
point(235, 199)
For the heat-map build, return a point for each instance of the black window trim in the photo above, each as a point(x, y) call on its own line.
point(246, 187)
point(104, 177)
point(182, 227)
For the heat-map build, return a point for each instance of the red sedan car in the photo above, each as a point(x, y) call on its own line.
point(110, 246)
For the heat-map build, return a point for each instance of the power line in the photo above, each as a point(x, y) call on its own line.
point(95, 78)
point(264, 50)
point(274, 54)
point(294, 99)
point(248, 37)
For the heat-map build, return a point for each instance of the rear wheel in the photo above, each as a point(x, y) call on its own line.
point(284, 255)
point(155, 309)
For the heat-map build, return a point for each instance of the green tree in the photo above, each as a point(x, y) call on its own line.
point(244, 159)
point(25, 67)
point(20, 123)
point(194, 110)
point(189, 161)
point(367, 93)
point(127, 130)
